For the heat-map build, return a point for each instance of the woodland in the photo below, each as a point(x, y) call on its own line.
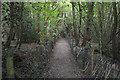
point(32, 32)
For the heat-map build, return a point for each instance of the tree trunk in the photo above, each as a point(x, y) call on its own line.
point(7, 45)
point(38, 23)
point(80, 19)
point(114, 30)
point(100, 18)
point(87, 35)
point(9, 59)
point(118, 35)
point(21, 25)
point(74, 25)
point(0, 43)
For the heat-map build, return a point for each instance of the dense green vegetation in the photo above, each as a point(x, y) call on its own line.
point(43, 23)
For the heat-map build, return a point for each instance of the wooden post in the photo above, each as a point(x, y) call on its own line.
point(10, 67)
point(92, 59)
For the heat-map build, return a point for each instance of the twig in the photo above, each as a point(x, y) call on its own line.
point(86, 67)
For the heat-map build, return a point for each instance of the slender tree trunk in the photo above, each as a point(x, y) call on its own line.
point(80, 19)
point(118, 33)
point(87, 36)
point(74, 25)
point(0, 42)
point(21, 24)
point(114, 30)
point(7, 45)
point(38, 23)
point(90, 14)
point(9, 59)
point(100, 18)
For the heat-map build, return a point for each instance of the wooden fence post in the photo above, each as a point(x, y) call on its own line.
point(92, 59)
point(10, 67)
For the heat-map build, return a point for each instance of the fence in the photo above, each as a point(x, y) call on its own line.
point(95, 65)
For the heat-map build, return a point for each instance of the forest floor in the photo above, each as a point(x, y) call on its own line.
point(62, 64)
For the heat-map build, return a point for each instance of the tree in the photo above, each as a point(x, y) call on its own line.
point(1, 38)
point(74, 25)
point(114, 30)
point(21, 24)
point(90, 6)
point(12, 19)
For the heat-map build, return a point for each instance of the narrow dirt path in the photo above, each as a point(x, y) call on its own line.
point(63, 64)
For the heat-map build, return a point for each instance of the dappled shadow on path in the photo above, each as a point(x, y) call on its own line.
point(63, 64)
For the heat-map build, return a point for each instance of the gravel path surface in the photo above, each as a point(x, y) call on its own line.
point(63, 64)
